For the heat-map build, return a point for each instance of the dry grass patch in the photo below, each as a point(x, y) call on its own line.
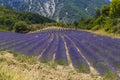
point(104, 33)
point(13, 69)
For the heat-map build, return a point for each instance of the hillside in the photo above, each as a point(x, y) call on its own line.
point(107, 18)
point(60, 10)
point(9, 17)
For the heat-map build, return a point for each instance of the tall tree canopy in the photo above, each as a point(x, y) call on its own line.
point(115, 8)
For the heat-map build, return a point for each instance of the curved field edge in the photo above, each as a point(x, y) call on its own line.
point(19, 67)
point(100, 32)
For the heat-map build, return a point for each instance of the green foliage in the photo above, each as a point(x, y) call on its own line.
point(82, 68)
point(103, 20)
point(97, 13)
point(66, 10)
point(33, 18)
point(76, 24)
point(96, 27)
point(109, 75)
point(21, 27)
point(112, 26)
point(104, 11)
point(61, 62)
point(115, 8)
point(10, 51)
point(2, 60)
point(24, 58)
point(100, 20)
point(116, 29)
point(51, 64)
point(69, 79)
point(9, 17)
point(3, 28)
point(44, 61)
point(86, 23)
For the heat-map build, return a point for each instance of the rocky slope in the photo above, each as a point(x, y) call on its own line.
point(60, 10)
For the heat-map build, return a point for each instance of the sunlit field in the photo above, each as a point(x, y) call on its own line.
point(67, 47)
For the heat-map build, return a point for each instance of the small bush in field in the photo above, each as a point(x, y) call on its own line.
point(61, 62)
point(82, 68)
point(110, 76)
point(21, 27)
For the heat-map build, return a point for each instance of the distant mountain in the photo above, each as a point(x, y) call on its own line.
point(60, 10)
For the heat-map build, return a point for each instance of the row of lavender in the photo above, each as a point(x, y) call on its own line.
point(80, 48)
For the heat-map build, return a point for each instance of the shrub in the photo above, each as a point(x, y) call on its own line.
point(109, 29)
point(76, 24)
point(21, 27)
point(116, 29)
point(97, 27)
point(86, 23)
point(115, 22)
point(83, 69)
point(3, 28)
point(61, 62)
point(100, 20)
point(109, 75)
point(104, 11)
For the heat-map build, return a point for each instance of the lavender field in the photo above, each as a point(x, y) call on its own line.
point(82, 49)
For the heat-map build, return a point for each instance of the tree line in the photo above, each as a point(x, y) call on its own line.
point(107, 18)
point(10, 20)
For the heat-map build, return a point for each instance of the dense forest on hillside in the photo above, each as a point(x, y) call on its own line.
point(61, 10)
point(76, 9)
point(10, 18)
point(106, 18)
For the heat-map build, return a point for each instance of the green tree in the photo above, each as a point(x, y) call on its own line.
point(76, 24)
point(100, 20)
point(58, 24)
point(97, 14)
point(2, 20)
point(105, 10)
point(115, 8)
point(21, 27)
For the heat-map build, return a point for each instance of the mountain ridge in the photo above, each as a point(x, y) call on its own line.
point(60, 10)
